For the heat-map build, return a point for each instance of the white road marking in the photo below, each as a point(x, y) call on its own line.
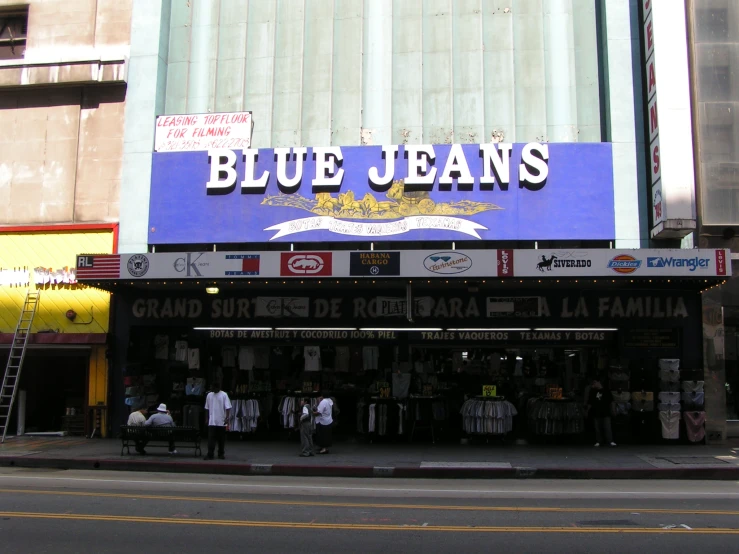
point(297, 488)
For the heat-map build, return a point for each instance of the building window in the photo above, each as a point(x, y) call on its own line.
point(13, 31)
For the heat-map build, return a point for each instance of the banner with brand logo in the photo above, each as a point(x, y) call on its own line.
point(306, 264)
point(505, 263)
point(441, 264)
point(374, 264)
point(390, 193)
point(282, 306)
point(624, 263)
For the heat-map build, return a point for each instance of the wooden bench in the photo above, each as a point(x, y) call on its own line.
point(183, 437)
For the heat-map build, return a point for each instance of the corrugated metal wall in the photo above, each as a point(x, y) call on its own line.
point(346, 72)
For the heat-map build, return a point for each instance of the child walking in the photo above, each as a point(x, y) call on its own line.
point(306, 432)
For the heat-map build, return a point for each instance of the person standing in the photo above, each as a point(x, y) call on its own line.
point(306, 432)
point(600, 400)
point(138, 419)
point(217, 410)
point(324, 421)
point(162, 419)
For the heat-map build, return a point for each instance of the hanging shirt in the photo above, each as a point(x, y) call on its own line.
point(328, 358)
point(312, 355)
point(193, 358)
point(161, 347)
point(246, 358)
point(341, 359)
point(261, 358)
point(370, 357)
point(180, 350)
point(401, 384)
point(669, 364)
point(228, 356)
point(279, 358)
point(217, 403)
point(670, 424)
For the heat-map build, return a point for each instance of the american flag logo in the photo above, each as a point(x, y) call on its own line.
point(249, 264)
point(107, 266)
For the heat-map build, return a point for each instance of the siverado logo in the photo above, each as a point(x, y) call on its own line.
point(691, 263)
point(624, 264)
point(138, 265)
point(448, 263)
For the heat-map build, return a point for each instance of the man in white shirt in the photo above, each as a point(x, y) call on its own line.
point(217, 410)
point(138, 419)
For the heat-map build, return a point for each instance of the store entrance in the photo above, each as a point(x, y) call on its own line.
point(55, 387)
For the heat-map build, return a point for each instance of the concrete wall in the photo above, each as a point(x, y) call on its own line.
point(320, 72)
point(61, 148)
point(350, 72)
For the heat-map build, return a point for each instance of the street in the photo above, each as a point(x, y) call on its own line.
point(74, 511)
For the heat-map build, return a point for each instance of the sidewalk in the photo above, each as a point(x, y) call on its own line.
point(390, 460)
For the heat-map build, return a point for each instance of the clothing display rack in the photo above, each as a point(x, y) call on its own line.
point(385, 417)
point(289, 409)
point(245, 415)
point(426, 413)
point(669, 398)
point(487, 415)
point(547, 416)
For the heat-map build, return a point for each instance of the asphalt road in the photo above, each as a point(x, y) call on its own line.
point(67, 511)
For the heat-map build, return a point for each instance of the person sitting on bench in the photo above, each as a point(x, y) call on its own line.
point(162, 419)
point(138, 419)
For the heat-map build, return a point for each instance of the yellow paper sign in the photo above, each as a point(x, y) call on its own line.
point(489, 390)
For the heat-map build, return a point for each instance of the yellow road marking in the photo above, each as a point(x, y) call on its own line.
point(363, 527)
point(372, 505)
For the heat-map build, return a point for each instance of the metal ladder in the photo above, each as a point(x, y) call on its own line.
point(15, 360)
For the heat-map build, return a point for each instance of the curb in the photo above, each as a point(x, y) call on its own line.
point(410, 472)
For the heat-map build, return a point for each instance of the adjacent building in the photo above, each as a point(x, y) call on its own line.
point(63, 73)
point(715, 99)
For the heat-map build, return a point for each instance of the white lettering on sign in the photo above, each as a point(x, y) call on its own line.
point(496, 158)
point(455, 308)
point(328, 178)
point(534, 169)
point(383, 184)
point(49, 276)
point(16, 277)
point(421, 172)
point(180, 133)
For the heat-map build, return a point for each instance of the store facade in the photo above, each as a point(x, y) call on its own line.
point(414, 341)
point(64, 380)
point(416, 197)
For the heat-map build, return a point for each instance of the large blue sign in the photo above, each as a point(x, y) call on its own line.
point(384, 193)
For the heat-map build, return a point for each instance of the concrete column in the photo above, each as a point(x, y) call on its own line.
point(559, 55)
point(201, 84)
point(147, 79)
point(529, 73)
point(625, 110)
point(377, 72)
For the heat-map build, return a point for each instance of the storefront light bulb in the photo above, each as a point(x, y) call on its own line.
point(211, 290)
